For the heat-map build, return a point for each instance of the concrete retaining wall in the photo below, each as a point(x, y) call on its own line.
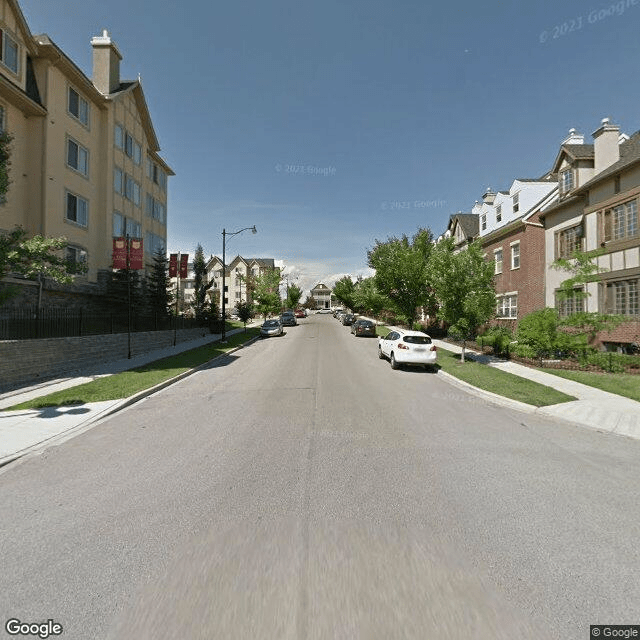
point(26, 362)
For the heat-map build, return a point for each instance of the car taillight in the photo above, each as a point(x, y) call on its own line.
point(403, 346)
point(434, 348)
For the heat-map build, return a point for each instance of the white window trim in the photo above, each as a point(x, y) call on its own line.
point(495, 261)
point(515, 244)
point(8, 34)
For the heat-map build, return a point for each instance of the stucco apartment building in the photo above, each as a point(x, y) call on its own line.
point(599, 187)
point(85, 160)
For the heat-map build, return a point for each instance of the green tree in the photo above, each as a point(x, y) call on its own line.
point(401, 271)
point(35, 258)
point(344, 290)
point(201, 286)
point(158, 286)
point(309, 303)
point(245, 311)
point(294, 294)
point(583, 325)
point(266, 292)
point(463, 286)
point(367, 298)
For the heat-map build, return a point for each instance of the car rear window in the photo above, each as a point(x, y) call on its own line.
point(417, 339)
point(365, 323)
point(271, 323)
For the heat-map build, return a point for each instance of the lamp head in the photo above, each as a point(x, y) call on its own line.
point(253, 229)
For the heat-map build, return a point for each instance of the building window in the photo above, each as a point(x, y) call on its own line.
point(516, 203)
point(497, 256)
point(131, 189)
point(118, 180)
point(621, 222)
point(78, 107)
point(118, 138)
point(499, 213)
point(9, 51)
point(515, 255)
point(77, 209)
point(569, 240)
point(76, 255)
point(483, 221)
point(569, 306)
point(621, 297)
point(616, 184)
point(154, 244)
point(507, 306)
point(118, 225)
point(128, 144)
point(566, 180)
point(77, 157)
point(155, 209)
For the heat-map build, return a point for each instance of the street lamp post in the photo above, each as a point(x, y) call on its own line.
point(224, 270)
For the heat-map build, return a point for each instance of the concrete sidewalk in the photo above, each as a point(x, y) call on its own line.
point(26, 430)
point(593, 408)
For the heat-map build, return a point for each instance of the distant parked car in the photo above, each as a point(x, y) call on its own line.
point(336, 311)
point(347, 319)
point(288, 319)
point(271, 327)
point(300, 313)
point(407, 347)
point(340, 315)
point(323, 311)
point(363, 328)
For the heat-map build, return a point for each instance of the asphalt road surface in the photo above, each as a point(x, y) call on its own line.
point(300, 488)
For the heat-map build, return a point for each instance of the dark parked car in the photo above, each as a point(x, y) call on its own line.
point(348, 319)
point(363, 328)
point(288, 319)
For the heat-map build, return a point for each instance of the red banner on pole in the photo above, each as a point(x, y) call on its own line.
point(184, 262)
point(173, 265)
point(136, 253)
point(119, 253)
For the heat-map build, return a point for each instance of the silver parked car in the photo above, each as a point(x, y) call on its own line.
point(271, 327)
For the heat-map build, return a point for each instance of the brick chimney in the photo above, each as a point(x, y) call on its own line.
point(605, 146)
point(106, 64)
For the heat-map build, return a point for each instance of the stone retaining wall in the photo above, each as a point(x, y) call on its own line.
point(27, 362)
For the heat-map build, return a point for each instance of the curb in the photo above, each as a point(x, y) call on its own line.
point(127, 402)
point(123, 404)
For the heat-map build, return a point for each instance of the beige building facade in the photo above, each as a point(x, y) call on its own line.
point(85, 160)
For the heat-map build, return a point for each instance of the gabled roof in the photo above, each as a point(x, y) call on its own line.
point(574, 152)
point(629, 155)
point(468, 222)
point(321, 287)
point(24, 27)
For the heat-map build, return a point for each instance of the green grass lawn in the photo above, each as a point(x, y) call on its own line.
point(128, 383)
point(500, 382)
point(624, 384)
point(381, 330)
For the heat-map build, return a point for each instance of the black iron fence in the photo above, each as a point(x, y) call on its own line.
point(30, 323)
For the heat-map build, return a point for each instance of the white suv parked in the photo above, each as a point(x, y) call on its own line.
point(407, 347)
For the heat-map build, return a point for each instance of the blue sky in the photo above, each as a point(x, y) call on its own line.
point(382, 103)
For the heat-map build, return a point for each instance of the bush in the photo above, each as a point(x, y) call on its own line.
point(498, 338)
point(611, 362)
point(539, 330)
point(524, 351)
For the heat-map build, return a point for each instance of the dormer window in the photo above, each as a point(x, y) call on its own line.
point(499, 213)
point(483, 221)
point(516, 203)
point(566, 180)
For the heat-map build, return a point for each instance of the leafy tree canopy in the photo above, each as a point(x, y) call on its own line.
point(401, 271)
point(344, 290)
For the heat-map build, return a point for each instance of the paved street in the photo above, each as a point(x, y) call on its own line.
point(299, 488)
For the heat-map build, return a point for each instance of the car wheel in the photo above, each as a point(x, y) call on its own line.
point(394, 364)
point(380, 354)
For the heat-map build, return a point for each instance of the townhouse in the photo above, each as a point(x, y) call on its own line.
point(597, 209)
point(323, 296)
point(512, 237)
point(85, 160)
